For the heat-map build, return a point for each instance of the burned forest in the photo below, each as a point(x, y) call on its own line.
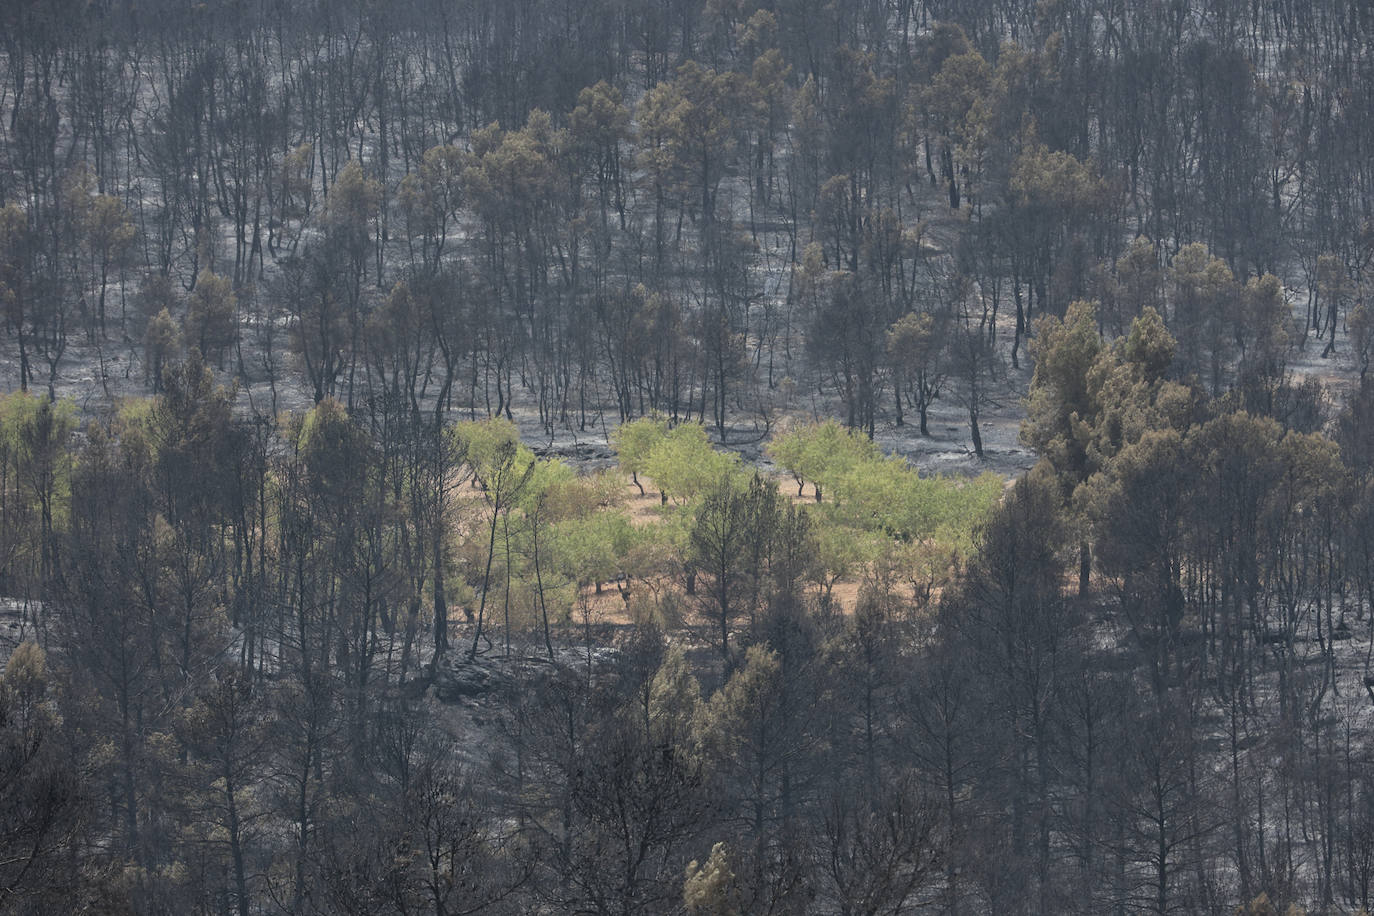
point(686, 457)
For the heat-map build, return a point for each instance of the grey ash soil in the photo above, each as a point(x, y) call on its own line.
point(946, 450)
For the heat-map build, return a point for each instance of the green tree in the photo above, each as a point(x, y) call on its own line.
point(160, 342)
point(212, 316)
point(754, 735)
point(551, 497)
point(512, 179)
point(1015, 630)
point(430, 198)
point(1059, 405)
point(769, 97)
point(1261, 338)
point(1088, 401)
point(1055, 199)
point(786, 449)
point(821, 453)
point(1059, 409)
point(503, 468)
point(599, 125)
point(351, 212)
point(720, 537)
point(319, 331)
point(38, 433)
point(954, 92)
point(688, 133)
point(731, 548)
point(1204, 294)
point(914, 348)
point(1137, 285)
point(684, 465)
point(594, 547)
point(634, 441)
point(292, 196)
point(1139, 509)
